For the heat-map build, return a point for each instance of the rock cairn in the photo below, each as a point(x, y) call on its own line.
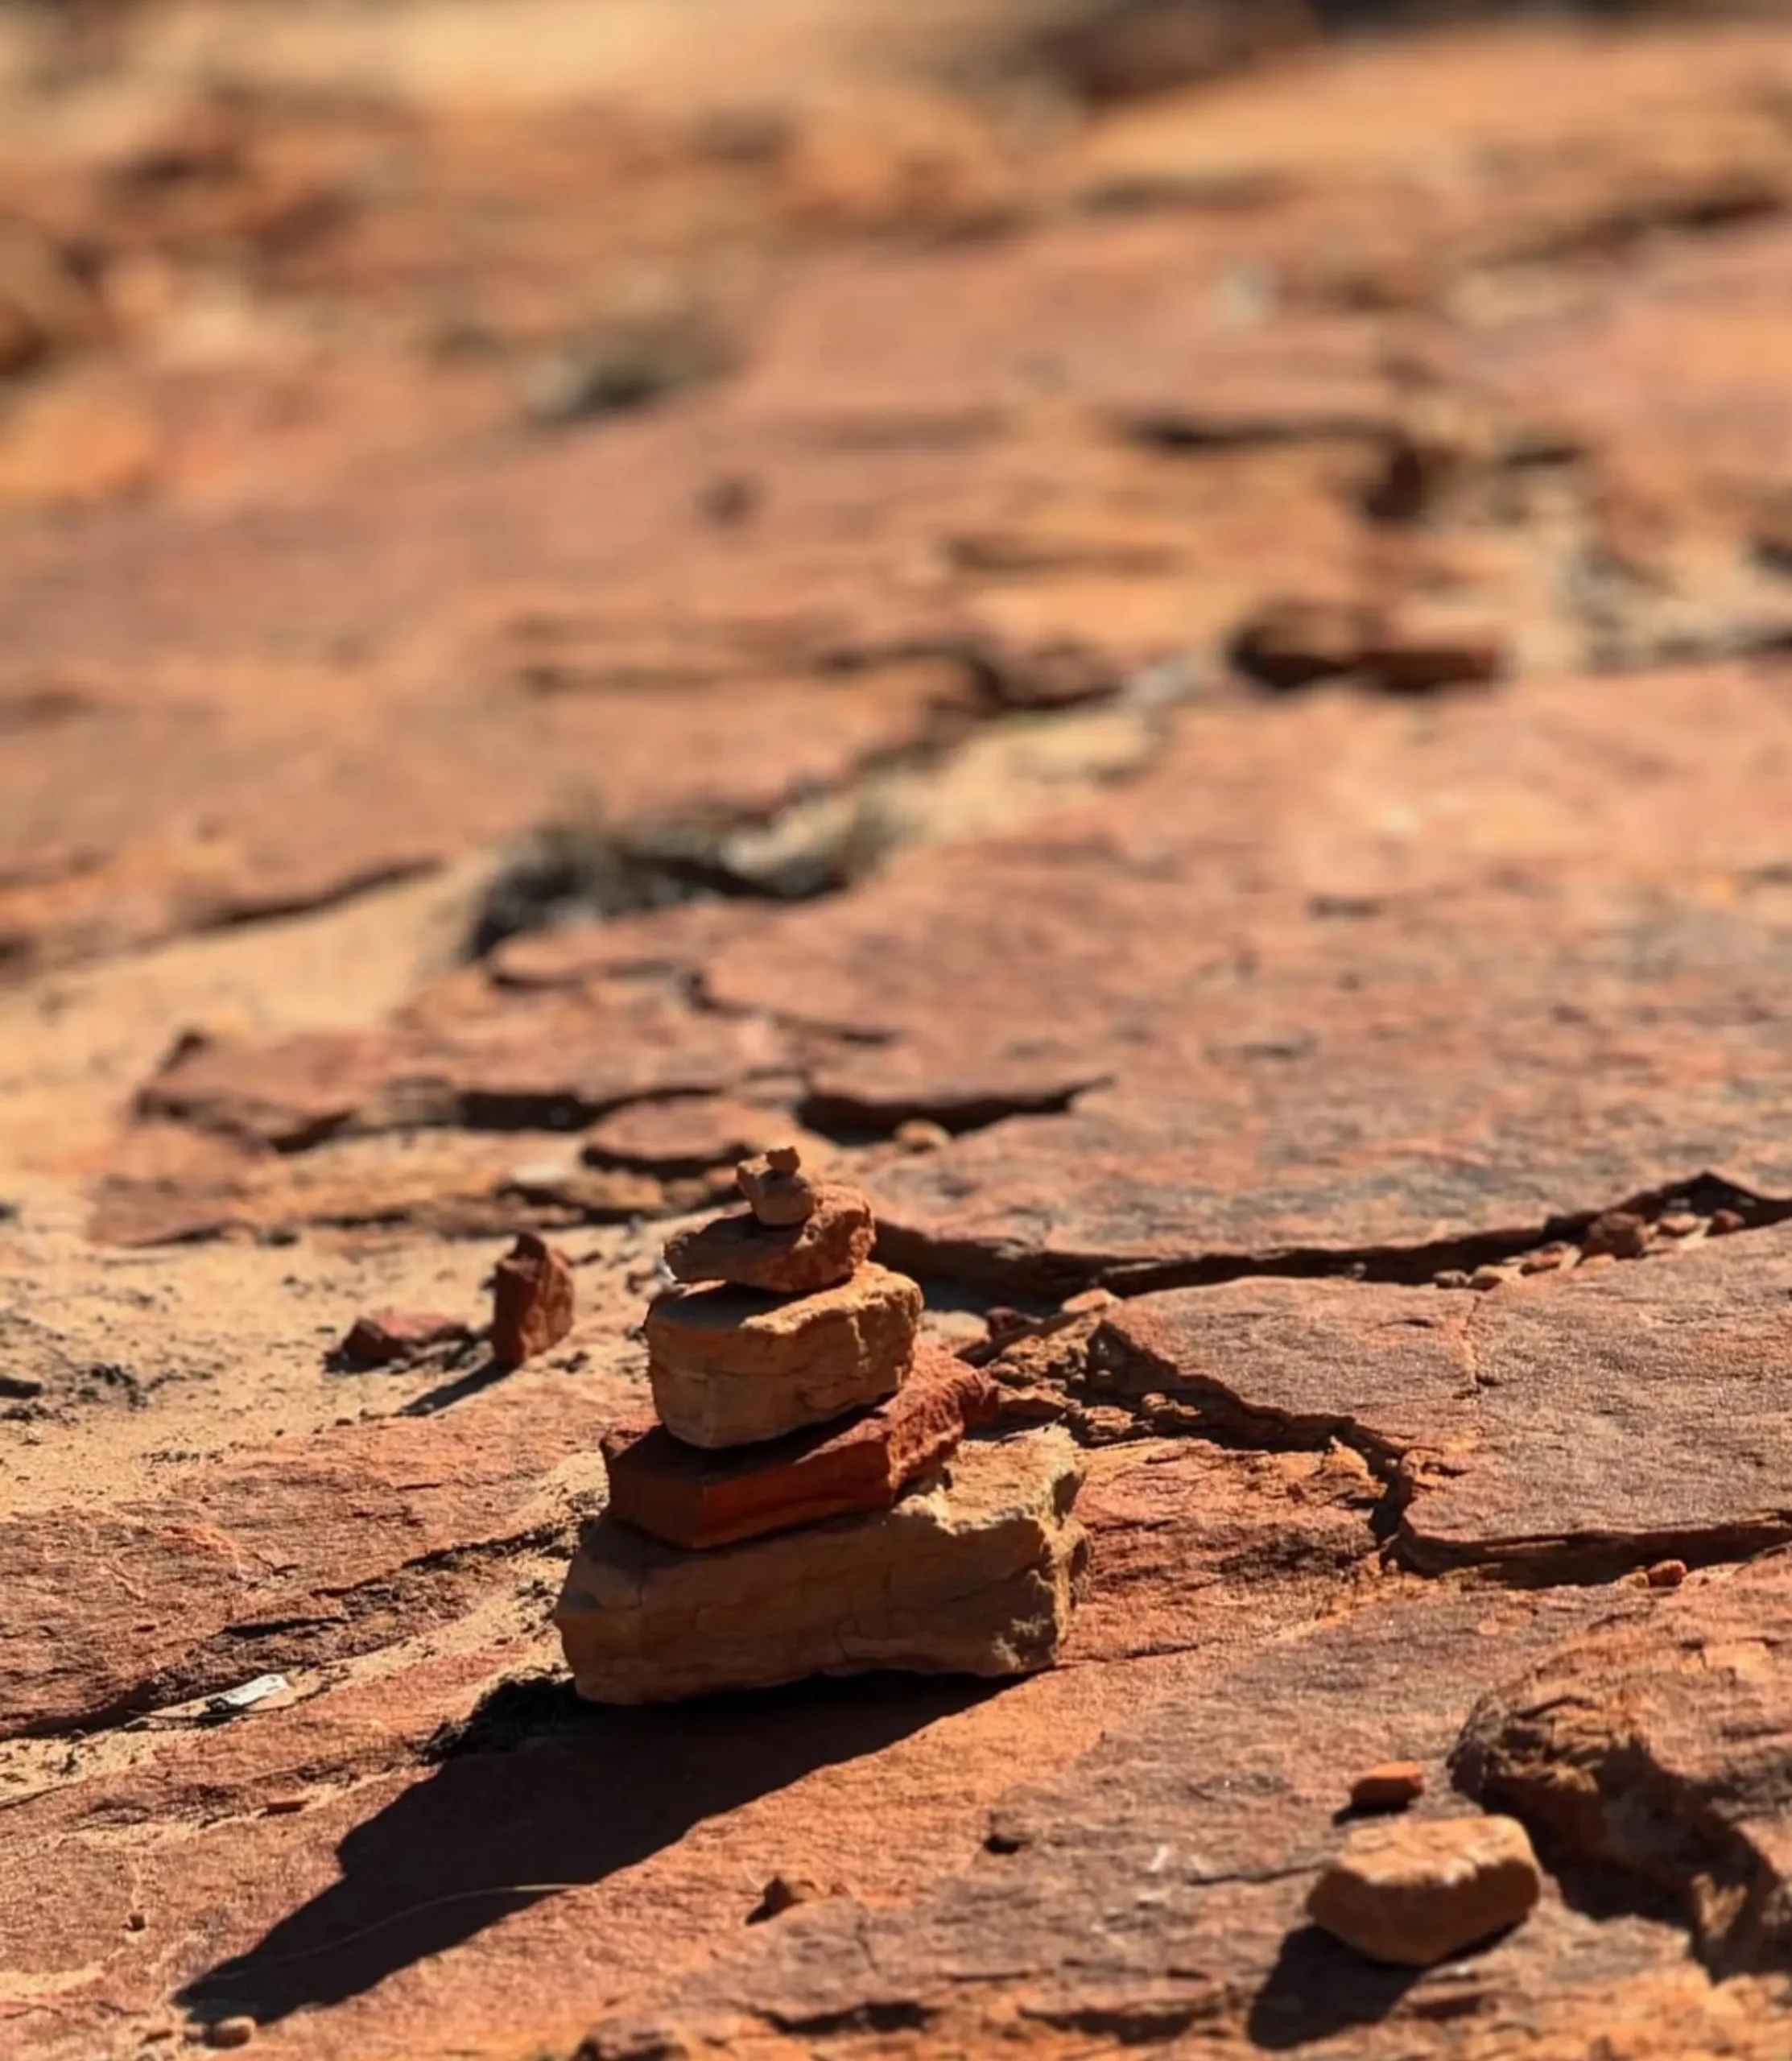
point(808, 1502)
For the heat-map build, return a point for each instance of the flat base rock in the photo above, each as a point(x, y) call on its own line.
point(973, 1574)
point(732, 1367)
point(696, 1500)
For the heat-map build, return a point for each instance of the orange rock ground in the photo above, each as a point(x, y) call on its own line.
point(1161, 636)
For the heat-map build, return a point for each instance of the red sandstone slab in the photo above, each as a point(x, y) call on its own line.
point(696, 1499)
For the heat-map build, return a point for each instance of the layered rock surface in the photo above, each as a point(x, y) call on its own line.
point(339, 641)
point(729, 1366)
point(693, 1498)
point(976, 1575)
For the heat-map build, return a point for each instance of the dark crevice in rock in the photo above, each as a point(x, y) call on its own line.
point(1020, 1272)
point(849, 1119)
point(825, 839)
point(1592, 1558)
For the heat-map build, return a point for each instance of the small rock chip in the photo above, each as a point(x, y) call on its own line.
point(378, 1337)
point(531, 1301)
point(1451, 1277)
point(1391, 1786)
point(1004, 1322)
point(784, 1893)
point(1413, 1892)
point(922, 1135)
point(1679, 1224)
point(1088, 1302)
point(1547, 1261)
point(779, 1192)
point(231, 2032)
point(1621, 1233)
point(786, 1259)
point(1724, 1221)
point(1485, 1277)
point(1668, 1574)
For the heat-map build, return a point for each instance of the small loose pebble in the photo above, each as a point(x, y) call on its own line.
point(784, 1893)
point(1485, 1277)
point(1451, 1277)
point(1724, 1221)
point(1548, 1261)
point(1681, 1225)
point(1090, 1300)
point(1668, 1574)
point(283, 1806)
point(231, 2032)
point(921, 1135)
point(1621, 1233)
point(1391, 1786)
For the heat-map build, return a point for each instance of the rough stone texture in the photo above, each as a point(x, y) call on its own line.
point(280, 1557)
point(338, 642)
point(531, 1301)
point(696, 1500)
point(827, 1245)
point(381, 1336)
point(1215, 1804)
point(730, 1365)
point(1416, 1893)
point(1658, 1747)
point(1392, 1787)
point(781, 1194)
point(1566, 1424)
point(973, 1575)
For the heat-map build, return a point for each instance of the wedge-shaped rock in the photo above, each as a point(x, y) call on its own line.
point(1415, 1891)
point(975, 1575)
point(730, 1367)
point(697, 1499)
point(784, 1259)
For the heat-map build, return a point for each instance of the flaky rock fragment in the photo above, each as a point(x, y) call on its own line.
point(1415, 1891)
point(789, 1259)
point(780, 1194)
point(531, 1301)
point(730, 1366)
point(698, 1500)
point(975, 1575)
point(1391, 1786)
point(378, 1337)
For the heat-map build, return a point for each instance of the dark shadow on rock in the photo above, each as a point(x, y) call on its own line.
point(448, 1393)
point(572, 1795)
point(1318, 1988)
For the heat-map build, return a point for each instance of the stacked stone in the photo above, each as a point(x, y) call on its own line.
point(792, 1513)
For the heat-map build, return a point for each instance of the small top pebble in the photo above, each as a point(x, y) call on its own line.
point(780, 1193)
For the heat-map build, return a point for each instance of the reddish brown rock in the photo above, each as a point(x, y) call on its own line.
point(1658, 1746)
point(531, 1301)
point(973, 1575)
point(1391, 1786)
point(780, 1194)
point(682, 1135)
point(789, 1259)
point(695, 1499)
point(730, 1366)
point(1621, 1233)
point(1415, 1892)
point(381, 1336)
